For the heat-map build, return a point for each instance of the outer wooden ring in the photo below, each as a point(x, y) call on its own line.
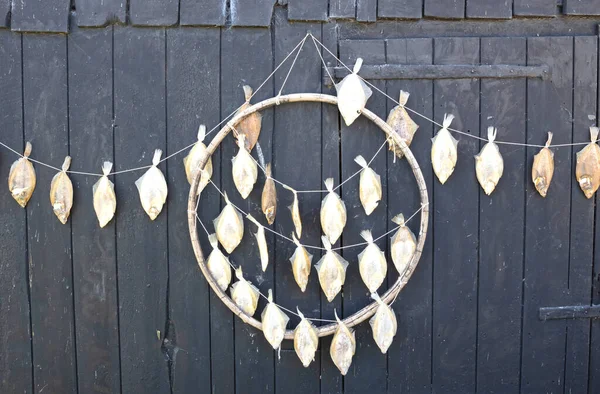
point(370, 309)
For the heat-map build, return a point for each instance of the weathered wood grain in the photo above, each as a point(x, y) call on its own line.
point(307, 10)
point(581, 7)
point(342, 9)
point(489, 9)
point(251, 13)
point(202, 13)
point(40, 16)
point(534, 7)
point(366, 10)
point(100, 13)
point(447, 9)
point(153, 12)
point(405, 9)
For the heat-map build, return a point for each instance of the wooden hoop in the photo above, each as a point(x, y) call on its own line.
point(370, 309)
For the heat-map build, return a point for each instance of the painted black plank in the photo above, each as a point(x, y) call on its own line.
point(15, 332)
point(50, 265)
point(139, 102)
point(5, 13)
point(153, 12)
point(534, 7)
point(203, 13)
point(594, 359)
point(343, 9)
point(302, 10)
point(445, 9)
point(455, 229)
point(100, 13)
point(409, 357)
point(192, 67)
point(581, 7)
point(366, 10)
point(405, 9)
point(251, 13)
point(94, 259)
point(40, 15)
point(546, 270)
point(493, 9)
point(501, 236)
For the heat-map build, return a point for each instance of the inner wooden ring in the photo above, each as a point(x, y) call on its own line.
point(370, 309)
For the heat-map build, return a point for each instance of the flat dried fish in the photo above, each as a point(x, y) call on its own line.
point(229, 226)
point(404, 245)
point(333, 213)
point(262, 243)
point(384, 324)
point(489, 164)
point(443, 151)
point(371, 263)
point(295, 210)
point(21, 178)
point(244, 169)
point(244, 294)
point(274, 322)
point(105, 199)
point(352, 94)
point(250, 126)
point(343, 346)
point(218, 264)
point(306, 340)
point(268, 200)
point(402, 124)
point(301, 261)
point(152, 187)
point(331, 270)
point(543, 168)
point(61, 193)
point(369, 186)
point(588, 165)
point(192, 162)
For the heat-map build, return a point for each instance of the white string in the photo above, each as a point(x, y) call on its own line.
point(292, 66)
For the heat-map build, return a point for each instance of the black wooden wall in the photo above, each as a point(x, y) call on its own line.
point(125, 308)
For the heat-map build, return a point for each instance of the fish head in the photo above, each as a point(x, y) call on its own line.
point(541, 185)
point(153, 212)
point(60, 210)
point(489, 187)
point(586, 184)
point(270, 215)
point(21, 195)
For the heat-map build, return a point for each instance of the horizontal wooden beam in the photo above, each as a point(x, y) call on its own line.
point(570, 312)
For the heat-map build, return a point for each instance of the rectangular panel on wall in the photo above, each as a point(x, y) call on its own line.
point(342, 9)
point(483, 9)
point(40, 15)
point(534, 7)
point(153, 12)
point(251, 13)
point(100, 13)
point(366, 10)
point(445, 9)
point(406, 9)
point(581, 7)
point(307, 10)
point(202, 13)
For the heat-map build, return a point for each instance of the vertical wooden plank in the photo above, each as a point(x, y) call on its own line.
point(40, 15)
point(406, 9)
point(15, 330)
point(251, 13)
point(594, 360)
point(94, 259)
point(581, 7)
point(549, 106)
point(100, 13)
point(455, 228)
point(409, 357)
point(445, 9)
point(342, 9)
point(534, 7)
point(192, 67)
point(313, 10)
point(50, 265)
point(366, 10)
point(205, 12)
point(501, 234)
point(153, 12)
point(494, 9)
point(139, 99)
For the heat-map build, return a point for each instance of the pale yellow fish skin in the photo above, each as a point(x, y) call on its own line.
point(105, 201)
point(443, 155)
point(245, 296)
point(191, 164)
point(333, 216)
point(343, 347)
point(372, 266)
point(352, 95)
point(587, 170)
point(301, 263)
point(274, 322)
point(262, 248)
point(244, 172)
point(61, 196)
point(543, 170)
point(219, 268)
point(404, 245)
point(153, 190)
point(331, 270)
point(22, 181)
point(384, 326)
point(268, 199)
point(251, 125)
point(295, 209)
point(306, 342)
point(489, 167)
point(229, 227)
point(403, 125)
point(369, 190)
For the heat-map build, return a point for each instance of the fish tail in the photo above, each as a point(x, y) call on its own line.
point(326, 243)
point(403, 98)
point(361, 161)
point(66, 163)
point(296, 241)
point(357, 65)
point(156, 158)
point(336, 316)
point(448, 118)
point(594, 133)
point(107, 167)
point(239, 274)
point(214, 242)
point(492, 131)
point(549, 140)
point(270, 296)
point(201, 132)
point(299, 313)
point(268, 170)
point(247, 92)
point(367, 236)
point(376, 297)
point(28, 148)
point(251, 218)
point(329, 184)
point(399, 220)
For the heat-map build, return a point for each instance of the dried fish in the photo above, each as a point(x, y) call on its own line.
point(489, 164)
point(229, 226)
point(301, 262)
point(218, 264)
point(295, 210)
point(369, 186)
point(352, 93)
point(250, 126)
point(384, 324)
point(343, 346)
point(244, 294)
point(333, 213)
point(402, 124)
point(105, 200)
point(262, 243)
point(61, 193)
point(588, 165)
point(244, 169)
point(371, 263)
point(306, 340)
point(269, 196)
point(274, 322)
point(152, 187)
point(331, 270)
point(21, 178)
point(443, 151)
point(192, 161)
point(543, 168)
point(404, 245)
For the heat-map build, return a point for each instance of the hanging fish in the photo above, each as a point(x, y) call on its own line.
point(218, 264)
point(301, 261)
point(371, 263)
point(244, 169)
point(105, 200)
point(262, 243)
point(343, 346)
point(295, 210)
point(268, 200)
point(61, 193)
point(244, 294)
point(192, 162)
point(402, 124)
point(331, 270)
point(384, 324)
point(443, 151)
point(250, 126)
point(22, 179)
point(489, 165)
point(543, 168)
point(306, 340)
point(404, 245)
point(153, 189)
point(333, 213)
point(352, 94)
point(588, 165)
point(229, 226)
point(369, 186)
point(274, 322)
